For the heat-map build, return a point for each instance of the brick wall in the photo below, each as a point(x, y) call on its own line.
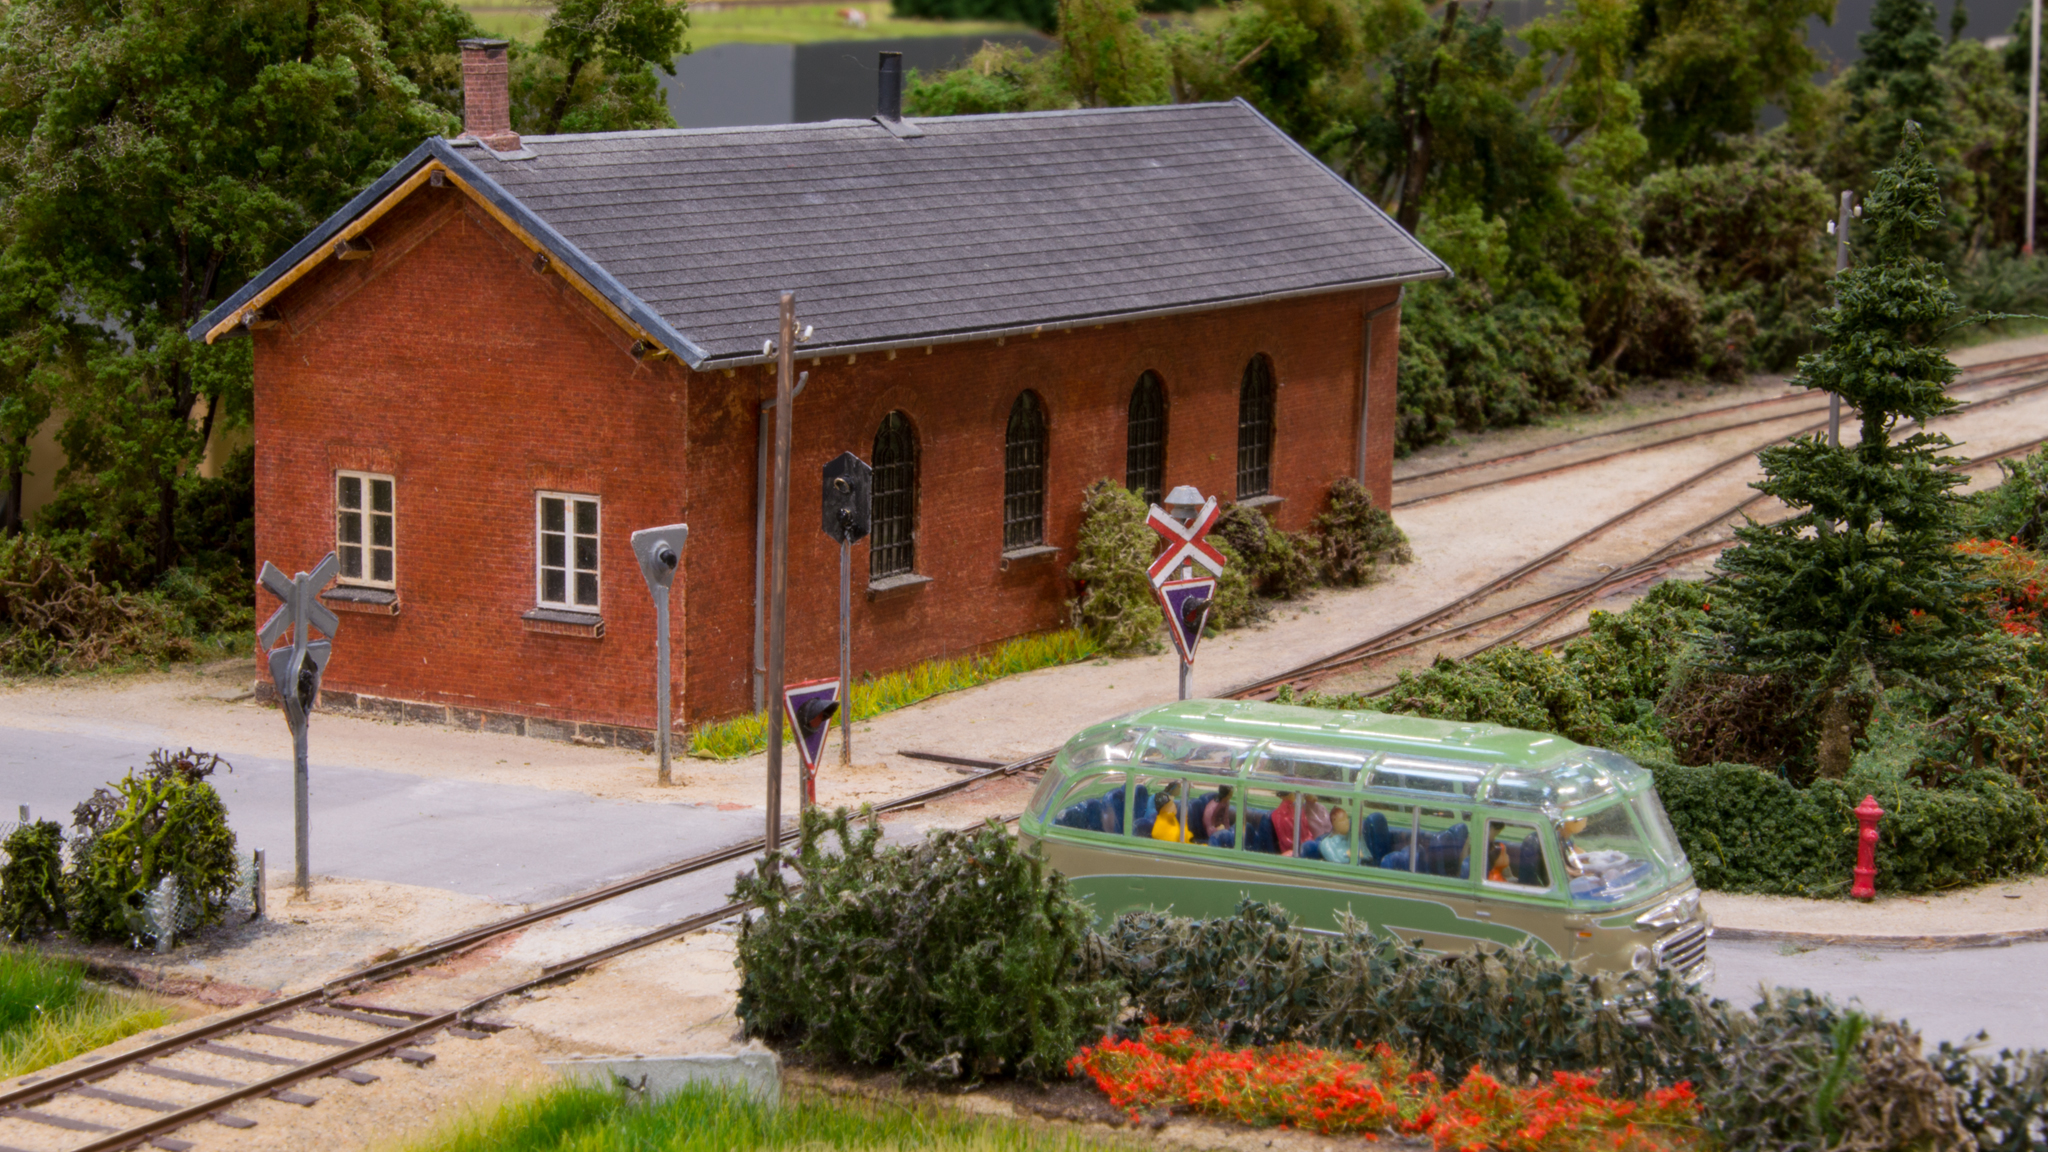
point(447, 361)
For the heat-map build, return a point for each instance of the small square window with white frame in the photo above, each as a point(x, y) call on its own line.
point(566, 555)
point(365, 529)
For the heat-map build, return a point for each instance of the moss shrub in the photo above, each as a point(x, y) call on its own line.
point(1113, 603)
point(957, 958)
point(32, 881)
point(1747, 830)
point(165, 821)
point(1354, 536)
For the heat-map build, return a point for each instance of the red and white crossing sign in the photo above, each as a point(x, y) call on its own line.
point(1185, 543)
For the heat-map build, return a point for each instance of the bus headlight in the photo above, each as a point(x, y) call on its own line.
point(1642, 959)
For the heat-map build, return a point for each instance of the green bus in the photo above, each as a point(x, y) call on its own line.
point(1447, 836)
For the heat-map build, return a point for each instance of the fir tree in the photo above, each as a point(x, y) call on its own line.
point(1862, 585)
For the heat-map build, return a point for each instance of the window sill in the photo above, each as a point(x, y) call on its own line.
point(1022, 555)
point(561, 622)
point(903, 583)
point(1260, 501)
point(370, 601)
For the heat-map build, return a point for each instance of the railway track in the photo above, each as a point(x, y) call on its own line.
point(1785, 407)
point(329, 1030)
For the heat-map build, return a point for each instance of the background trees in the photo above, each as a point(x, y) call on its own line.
point(155, 157)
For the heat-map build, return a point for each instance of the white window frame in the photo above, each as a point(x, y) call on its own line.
point(364, 515)
point(569, 569)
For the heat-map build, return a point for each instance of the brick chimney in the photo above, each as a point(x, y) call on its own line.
point(487, 95)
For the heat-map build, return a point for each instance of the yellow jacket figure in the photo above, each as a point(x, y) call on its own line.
point(1168, 825)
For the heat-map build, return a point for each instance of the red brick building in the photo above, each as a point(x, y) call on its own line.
point(478, 378)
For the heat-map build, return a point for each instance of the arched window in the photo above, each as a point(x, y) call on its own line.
point(1255, 429)
point(1024, 474)
point(892, 539)
point(1145, 442)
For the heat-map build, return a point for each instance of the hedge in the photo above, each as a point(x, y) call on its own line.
point(1747, 830)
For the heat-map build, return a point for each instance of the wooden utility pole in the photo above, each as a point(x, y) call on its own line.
point(778, 593)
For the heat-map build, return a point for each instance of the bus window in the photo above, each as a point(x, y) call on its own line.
point(1386, 832)
point(1279, 821)
point(1414, 774)
point(1514, 855)
point(1304, 763)
point(1340, 844)
point(1197, 751)
point(1437, 846)
point(1093, 804)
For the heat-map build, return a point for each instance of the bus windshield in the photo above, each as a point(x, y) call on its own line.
point(1619, 850)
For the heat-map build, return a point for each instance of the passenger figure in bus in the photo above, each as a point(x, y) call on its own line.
point(1335, 847)
point(1166, 822)
point(1576, 862)
point(1218, 814)
point(1315, 821)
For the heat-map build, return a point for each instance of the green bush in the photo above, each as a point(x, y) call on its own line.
point(166, 821)
point(1114, 604)
point(1510, 685)
point(1280, 565)
point(32, 881)
point(1471, 361)
point(56, 617)
point(959, 957)
point(1354, 536)
point(1746, 830)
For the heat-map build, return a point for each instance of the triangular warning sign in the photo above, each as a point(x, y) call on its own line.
point(1187, 609)
point(816, 701)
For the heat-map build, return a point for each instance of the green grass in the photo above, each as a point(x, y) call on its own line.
point(573, 1118)
point(745, 735)
point(744, 23)
point(50, 1013)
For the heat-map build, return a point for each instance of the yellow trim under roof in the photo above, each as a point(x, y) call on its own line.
point(391, 200)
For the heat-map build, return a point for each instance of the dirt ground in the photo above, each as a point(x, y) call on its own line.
point(678, 996)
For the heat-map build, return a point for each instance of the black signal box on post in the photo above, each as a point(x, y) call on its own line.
point(849, 491)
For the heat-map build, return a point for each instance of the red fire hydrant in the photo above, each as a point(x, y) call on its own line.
point(1867, 815)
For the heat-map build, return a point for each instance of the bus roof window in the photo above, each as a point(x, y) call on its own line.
point(1300, 762)
point(1115, 746)
point(1445, 777)
point(1198, 751)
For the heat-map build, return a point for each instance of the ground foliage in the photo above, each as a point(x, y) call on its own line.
point(956, 958)
point(2003, 1100)
point(1794, 1071)
point(1374, 1090)
point(55, 616)
point(1354, 536)
point(165, 821)
point(32, 897)
point(1761, 822)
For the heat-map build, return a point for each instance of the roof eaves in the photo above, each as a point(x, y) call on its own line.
point(558, 247)
point(1445, 274)
point(314, 241)
point(1064, 324)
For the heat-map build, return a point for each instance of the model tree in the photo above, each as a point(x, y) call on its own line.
point(1862, 587)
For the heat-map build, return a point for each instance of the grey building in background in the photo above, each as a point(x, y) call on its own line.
point(729, 85)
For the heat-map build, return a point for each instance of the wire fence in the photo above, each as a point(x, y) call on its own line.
point(167, 914)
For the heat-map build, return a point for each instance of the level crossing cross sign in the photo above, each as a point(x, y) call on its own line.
point(1186, 544)
point(295, 667)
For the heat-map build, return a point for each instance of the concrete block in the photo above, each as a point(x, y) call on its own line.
point(754, 1070)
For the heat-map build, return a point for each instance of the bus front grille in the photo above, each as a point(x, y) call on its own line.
point(1683, 950)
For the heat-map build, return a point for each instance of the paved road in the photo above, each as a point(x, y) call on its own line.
point(509, 844)
point(525, 845)
point(1947, 995)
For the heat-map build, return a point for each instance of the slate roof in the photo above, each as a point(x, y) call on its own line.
point(983, 224)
